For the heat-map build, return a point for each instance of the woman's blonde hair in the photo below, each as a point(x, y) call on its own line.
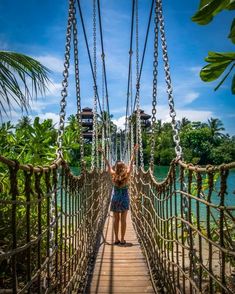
point(120, 178)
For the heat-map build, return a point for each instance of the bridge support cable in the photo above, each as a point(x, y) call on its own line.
point(132, 107)
point(88, 52)
point(144, 50)
point(104, 76)
point(129, 76)
point(173, 218)
point(94, 153)
point(52, 241)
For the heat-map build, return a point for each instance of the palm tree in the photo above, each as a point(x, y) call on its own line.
point(23, 123)
point(184, 122)
point(215, 126)
point(22, 78)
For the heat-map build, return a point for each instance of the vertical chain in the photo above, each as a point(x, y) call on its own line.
point(139, 130)
point(131, 116)
point(94, 133)
point(64, 94)
point(64, 91)
point(77, 81)
point(104, 121)
point(132, 135)
point(178, 149)
point(155, 73)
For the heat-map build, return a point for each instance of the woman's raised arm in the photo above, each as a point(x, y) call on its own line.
point(129, 169)
point(110, 170)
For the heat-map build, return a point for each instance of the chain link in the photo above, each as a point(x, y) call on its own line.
point(77, 82)
point(64, 91)
point(104, 122)
point(155, 74)
point(139, 130)
point(131, 117)
point(178, 149)
point(94, 155)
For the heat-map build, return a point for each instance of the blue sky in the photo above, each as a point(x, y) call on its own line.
point(37, 28)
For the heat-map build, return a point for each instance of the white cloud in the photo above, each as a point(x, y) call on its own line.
point(48, 115)
point(194, 115)
point(191, 114)
point(195, 69)
point(54, 89)
point(190, 97)
point(120, 122)
point(163, 114)
point(52, 62)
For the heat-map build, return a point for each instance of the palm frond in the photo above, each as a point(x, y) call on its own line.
point(22, 79)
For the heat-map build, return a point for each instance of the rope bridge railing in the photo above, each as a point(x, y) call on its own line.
point(186, 226)
point(50, 224)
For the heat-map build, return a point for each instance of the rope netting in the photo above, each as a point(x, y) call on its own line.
point(186, 228)
point(52, 221)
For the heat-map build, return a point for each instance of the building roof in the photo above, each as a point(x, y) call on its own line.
point(87, 112)
point(87, 109)
point(143, 115)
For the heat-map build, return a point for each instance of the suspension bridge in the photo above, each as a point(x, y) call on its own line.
point(180, 235)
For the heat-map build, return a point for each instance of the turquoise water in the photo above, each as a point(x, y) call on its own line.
point(161, 173)
point(229, 199)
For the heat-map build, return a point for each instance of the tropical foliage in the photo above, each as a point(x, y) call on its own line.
point(35, 142)
point(21, 79)
point(218, 62)
point(202, 143)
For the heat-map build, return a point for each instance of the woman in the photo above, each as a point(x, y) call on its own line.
point(120, 201)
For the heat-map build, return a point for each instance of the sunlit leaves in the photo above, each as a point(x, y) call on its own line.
point(22, 78)
point(218, 63)
point(232, 32)
point(209, 8)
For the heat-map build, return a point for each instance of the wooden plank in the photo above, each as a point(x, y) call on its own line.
point(119, 289)
point(120, 268)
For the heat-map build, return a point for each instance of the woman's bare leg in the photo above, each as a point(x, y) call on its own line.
point(116, 225)
point(123, 225)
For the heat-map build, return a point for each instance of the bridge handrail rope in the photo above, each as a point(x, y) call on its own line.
point(64, 213)
point(174, 241)
point(53, 219)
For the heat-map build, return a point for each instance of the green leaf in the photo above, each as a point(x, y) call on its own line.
point(224, 78)
point(231, 5)
point(207, 10)
point(212, 71)
point(232, 32)
point(203, 3)
point(215, 57)
point(233, 85)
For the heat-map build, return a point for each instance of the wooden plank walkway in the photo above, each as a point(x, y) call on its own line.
point(120, 268)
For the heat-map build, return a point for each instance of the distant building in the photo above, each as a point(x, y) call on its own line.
point(144, 119)
point(87, 123)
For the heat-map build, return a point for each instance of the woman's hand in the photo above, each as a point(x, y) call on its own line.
point(136, 147)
